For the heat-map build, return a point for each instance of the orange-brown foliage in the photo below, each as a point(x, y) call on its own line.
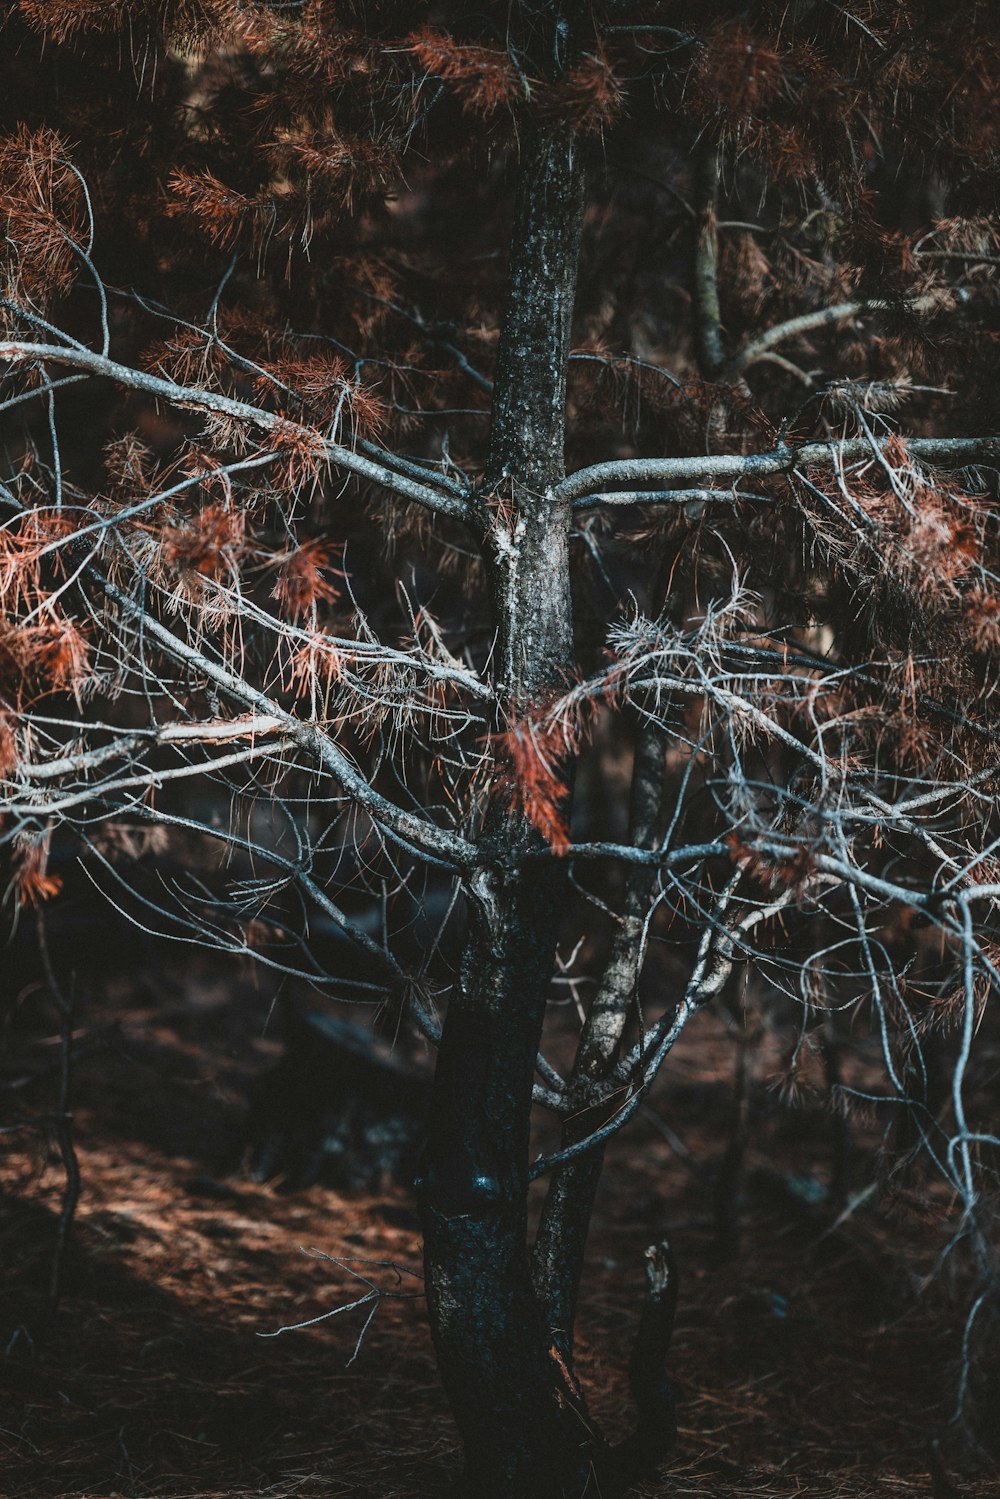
point(536, 781)
point(42, 209)
point(300, 455)
point(322, 382)
point(587, 96)
point(222, 212)
point(484, 79)
point(9, 755)
point(209, 543)
point(61, 19)
point(32, 884)
point(301, 582)
point(50, 655)
point(737, 77)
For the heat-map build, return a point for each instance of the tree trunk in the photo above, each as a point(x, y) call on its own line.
point(520, 1418)
point(562, 1231)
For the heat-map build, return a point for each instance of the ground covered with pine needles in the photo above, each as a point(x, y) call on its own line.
point(819, 1360)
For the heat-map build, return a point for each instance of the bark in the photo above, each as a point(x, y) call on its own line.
point(562, 1232)
point(708, 317)
point(519, 1415)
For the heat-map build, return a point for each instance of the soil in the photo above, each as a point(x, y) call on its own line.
point(817, 1361)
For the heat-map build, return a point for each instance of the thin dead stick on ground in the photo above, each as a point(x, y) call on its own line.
point(373, 1298)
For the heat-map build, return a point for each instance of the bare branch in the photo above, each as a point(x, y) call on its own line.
point(809, 322)
point(586, 486)
point(414, 832)
point(195, 398)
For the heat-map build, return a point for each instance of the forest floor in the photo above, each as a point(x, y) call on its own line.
point(818, 1361)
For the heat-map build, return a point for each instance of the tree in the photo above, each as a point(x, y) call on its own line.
point(319, 549)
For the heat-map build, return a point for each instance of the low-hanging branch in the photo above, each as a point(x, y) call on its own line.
point(76, 357)
point(143, 779)
point(296, 871)
point(415, 833)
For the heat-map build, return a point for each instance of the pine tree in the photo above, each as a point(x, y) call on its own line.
point(412, 409)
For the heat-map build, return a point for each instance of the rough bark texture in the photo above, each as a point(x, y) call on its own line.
point(529, 564)
point(708, 316)
point(513, 1401)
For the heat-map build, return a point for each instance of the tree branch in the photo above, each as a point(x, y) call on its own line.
point(415, 833)
point(808, 322)
point(206, 400)
point(692, 497)
point(586, 486)
point(557, 1257)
